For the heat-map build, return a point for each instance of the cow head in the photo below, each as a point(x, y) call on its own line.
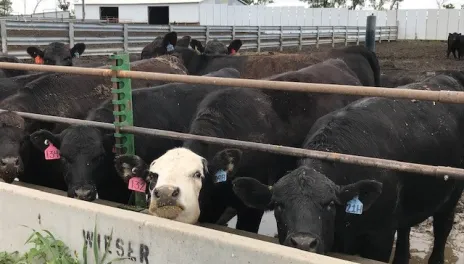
point(181, 182)
point(86, 157)
point(56, 53)
point(184, 42)
point(305, 203)
point(453, 37)
point(197, 46)
point(160, 46)
point(13, 139)
point(234, 46)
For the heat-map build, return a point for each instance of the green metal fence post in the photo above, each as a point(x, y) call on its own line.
point(123, 115)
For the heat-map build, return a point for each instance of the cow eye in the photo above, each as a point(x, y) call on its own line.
point(197, 175)
point(152, 177)
point(330, 205)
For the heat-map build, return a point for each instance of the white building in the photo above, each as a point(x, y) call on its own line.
point(154, 12)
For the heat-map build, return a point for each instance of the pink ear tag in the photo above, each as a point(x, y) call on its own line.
point(52, 153)
point(137, 184)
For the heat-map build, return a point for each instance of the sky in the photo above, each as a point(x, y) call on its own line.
point(50, 5)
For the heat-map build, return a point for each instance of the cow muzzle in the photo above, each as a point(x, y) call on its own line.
point(164, 202)
point(85, 193)
point(304, 242)
point(10, 168)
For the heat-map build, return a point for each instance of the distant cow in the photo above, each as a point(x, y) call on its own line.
point(87, 153)
point(454, 43)
point(163, 45)
point(215, 47)
point(245, 115)
point(363, 62)
point(7, 73)
point(57, 94)
point(390, 81)
point(56, 53)
point(325, 206)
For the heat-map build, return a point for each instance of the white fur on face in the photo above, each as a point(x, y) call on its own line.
point(177, 168)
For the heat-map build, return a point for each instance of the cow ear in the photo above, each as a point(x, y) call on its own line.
point(108, 142)
point(253, 193)
point(196, 45)
point(128, 166)
point(41, 139)
point(227, 160)
point(366, 191)
point(78, 49)
point(34, 52)
point(236, 44)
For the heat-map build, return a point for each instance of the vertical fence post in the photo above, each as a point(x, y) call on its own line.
point(317, 37)
point(207, 34)
point(281, 38)
point(333, 36)
point(259, 39)
point(233, 32)
point(370, 33)
point(357, 37)
point(389, 33)
point(4, 36)
point(380, 35)
point(71, 34)
point(126, 37)
point(346, 36)
point(123, 115)
point(300, 47)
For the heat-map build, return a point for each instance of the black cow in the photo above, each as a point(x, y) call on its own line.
point(247, 115)
point(390, 81)
point(86, 152)
point(454, 44)
point(7, 73)
point(362, 61)
point(324, 206)
point(64, 95)
point(215, 47)
point(56, 53)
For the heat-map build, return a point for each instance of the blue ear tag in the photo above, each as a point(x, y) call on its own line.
point(170, 47)
point(76, 54)
point(354, 206)
point(221, 176)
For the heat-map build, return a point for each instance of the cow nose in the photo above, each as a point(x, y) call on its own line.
point(166, 192)
point(10, 161)
point(84, 194)
point(304, 242)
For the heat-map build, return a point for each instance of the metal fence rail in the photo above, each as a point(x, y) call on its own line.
point(344, 158)
point(105, 39)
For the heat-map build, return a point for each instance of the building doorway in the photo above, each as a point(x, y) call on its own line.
point(110, 14)
point(158, 15)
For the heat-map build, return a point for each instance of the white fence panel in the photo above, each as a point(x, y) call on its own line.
point(254, 15)
point(335, 17)
point(285, 16)
point(411, 16)
point(432, 21)
point(402, 24)
point(317, 17)
point(391, 17)
point(353, 18)
point(269, 16)
point(301, 16)
point(325, 17)
point(276, 16)
point(421, 24)
point(362, 17)
point(343, 20)
point(442, 25)
point(461, 22)
point(381, 19)
point(216, 14)
point(453, 21)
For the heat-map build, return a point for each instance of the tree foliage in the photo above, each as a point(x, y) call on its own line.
point(5, 7)
point(449, 6)
point(325, 3)
point(63, 5)
point(258, 2)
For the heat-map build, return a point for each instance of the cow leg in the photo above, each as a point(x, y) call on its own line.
point(248, 219)
point(442, 224)
point(402, 254)
point(378, 246)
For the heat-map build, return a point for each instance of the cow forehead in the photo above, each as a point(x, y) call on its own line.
point(177, 161)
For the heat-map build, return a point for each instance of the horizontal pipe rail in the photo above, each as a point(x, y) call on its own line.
point(438, 96)
point(436, 171)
